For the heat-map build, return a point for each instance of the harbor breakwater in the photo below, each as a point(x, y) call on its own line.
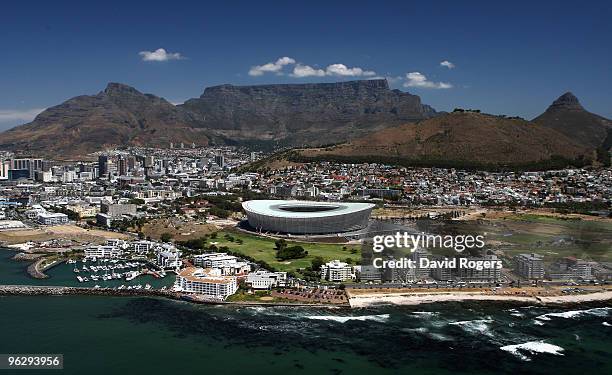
point(32, 290)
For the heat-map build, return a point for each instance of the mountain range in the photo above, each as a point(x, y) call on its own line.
point(564, 134)
point(365, 120)
point(267, 115)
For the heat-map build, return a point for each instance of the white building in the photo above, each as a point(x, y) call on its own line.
point(142, 247)
point(228, 264)
point(265, 280)
point(337, 271)
point(208, 282)
point(530, 266)
point(102, 251)
point(52, 218)
point(122, 244)
point(169, 258)
point(213, 260)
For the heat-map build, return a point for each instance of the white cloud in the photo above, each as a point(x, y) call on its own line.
point(271, 67)
point(160, 54)
point(416, 79)
point(344, 71)
point(301, 71)
point(447, 64)
point(336, 70)
point(19, 115)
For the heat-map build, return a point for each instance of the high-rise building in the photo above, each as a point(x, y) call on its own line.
point(131, 163)
point(530, 266)
point(123, 166)
point(102, 165)
point(25, 167)
point(220, 160)
point(4, 169)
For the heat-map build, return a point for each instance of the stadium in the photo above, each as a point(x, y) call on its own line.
point(304, 217)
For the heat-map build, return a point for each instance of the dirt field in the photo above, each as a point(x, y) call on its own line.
point(180, 230)
point(71, 232)
point(475, 213)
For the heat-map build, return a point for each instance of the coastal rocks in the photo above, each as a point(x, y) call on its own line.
point(26, 257)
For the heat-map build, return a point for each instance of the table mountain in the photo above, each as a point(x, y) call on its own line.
point(566, 115)
point(298, 114)
point(117, 116)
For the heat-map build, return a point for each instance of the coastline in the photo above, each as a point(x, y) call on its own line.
point(355, 302)
point(33, 290)
point(412, 299)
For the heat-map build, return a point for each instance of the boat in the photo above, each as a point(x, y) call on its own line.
point(80, 279)
point(131, 275)
point(76, 270)
point(148, 286)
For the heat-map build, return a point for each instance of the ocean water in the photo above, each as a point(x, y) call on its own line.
point(107, 335)
point(15, 273)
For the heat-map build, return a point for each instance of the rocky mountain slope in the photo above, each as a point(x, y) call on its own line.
point(117, 116)
point(566, 115)
point(299, 114)
point(458, 139)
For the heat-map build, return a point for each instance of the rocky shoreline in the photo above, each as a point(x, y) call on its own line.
point(26, 290)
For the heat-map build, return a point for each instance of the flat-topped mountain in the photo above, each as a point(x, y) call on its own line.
point(311, 114)
point(465, 139)
point(117, 116)
point(566, 115)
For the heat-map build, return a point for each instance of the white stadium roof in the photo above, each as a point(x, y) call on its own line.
point(303, 209)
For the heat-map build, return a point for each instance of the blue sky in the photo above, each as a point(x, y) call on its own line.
point(507, 58)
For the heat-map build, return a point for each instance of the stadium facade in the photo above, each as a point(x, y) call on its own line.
point(305, 217)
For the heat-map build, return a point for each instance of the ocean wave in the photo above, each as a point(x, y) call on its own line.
point(424, 314)
point(532, 347)
point(598, 311)
point(606, 324)
point(424, 331)
point(344, 319)
point(479, 326)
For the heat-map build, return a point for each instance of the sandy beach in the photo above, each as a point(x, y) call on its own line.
point(373, 299)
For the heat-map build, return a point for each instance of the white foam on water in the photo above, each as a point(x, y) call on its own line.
point(518, 315)
point(480, 326)
point(425, 331)
point(533, 347)
point(424, 314)
point(344, 319)
point(606, 324)
point(419, 330)
point(538, 323)
point(598, 311)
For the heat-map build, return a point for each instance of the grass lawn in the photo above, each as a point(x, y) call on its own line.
point(552, 237)
point(557, 237)
point(262, 248)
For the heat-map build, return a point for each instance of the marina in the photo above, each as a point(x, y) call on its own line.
point(75, 273)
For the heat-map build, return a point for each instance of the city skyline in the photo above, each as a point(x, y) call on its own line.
point(520, 64)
